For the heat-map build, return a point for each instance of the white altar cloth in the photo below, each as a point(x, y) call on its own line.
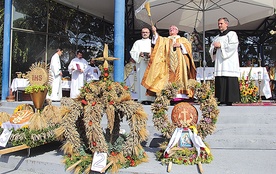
point(244, 71)
point(21, 84)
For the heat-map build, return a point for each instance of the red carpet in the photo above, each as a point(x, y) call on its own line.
point(262, 103)
point(193, 102)
point(266, 103)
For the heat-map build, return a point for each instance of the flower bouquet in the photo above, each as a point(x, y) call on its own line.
point(248, 89)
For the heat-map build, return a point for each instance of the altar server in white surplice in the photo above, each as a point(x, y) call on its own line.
point(77, 68)
point(56, 74)
point(224, 52)
point(92, 72)
point(140, 53)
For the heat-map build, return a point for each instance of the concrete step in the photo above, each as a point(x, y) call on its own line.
point(226, 161)
point(7, 109)
point(10, 106)
point(244, 142)
point(245, 129)
point(43, 159)
point(236, 126)
point(5, 170)
point(257, 137)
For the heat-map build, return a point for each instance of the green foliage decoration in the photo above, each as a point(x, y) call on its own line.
point(184, 156)
point(32, 138)
point(37, 88)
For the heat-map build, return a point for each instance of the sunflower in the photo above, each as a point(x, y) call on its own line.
point(18, 108)
point(248, 90)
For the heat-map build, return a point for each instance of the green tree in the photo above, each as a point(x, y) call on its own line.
point(61, 26)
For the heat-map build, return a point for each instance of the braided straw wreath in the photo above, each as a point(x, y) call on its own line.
point(206, 126)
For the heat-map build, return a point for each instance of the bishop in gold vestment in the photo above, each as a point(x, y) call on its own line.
point(170, 61)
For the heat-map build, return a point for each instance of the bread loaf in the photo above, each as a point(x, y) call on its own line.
point(21, 117)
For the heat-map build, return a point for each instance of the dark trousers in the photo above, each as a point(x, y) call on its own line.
point(227, 89)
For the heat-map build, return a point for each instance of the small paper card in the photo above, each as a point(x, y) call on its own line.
point(4, 137)
point(78, 66)
point(99, 161)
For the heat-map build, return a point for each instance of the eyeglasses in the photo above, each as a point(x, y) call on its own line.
point(145, 32)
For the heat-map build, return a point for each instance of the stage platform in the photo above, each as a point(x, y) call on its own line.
point(244, 143)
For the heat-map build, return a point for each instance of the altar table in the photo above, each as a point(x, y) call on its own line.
point(19, 84)
point(208, 74)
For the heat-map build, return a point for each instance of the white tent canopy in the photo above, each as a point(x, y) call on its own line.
point(105, 9)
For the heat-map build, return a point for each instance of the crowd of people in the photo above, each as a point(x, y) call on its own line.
point(81, 72)
point(160, 60)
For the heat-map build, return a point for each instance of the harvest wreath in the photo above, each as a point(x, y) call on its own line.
point(206, 126)
point(84, 136)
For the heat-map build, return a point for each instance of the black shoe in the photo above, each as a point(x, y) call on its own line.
point(229, 104)
point(225, 104)
point(55, 100)
point(146, 102)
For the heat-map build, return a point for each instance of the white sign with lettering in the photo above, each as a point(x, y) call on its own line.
point(4, 137)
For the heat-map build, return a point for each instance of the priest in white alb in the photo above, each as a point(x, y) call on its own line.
point(140, 53)
point(56, 74)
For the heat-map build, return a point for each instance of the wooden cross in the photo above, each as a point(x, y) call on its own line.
point(105, 57)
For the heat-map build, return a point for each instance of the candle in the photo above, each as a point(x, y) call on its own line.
point(259, 75)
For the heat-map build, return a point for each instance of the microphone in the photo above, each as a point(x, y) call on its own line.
point(174, 48)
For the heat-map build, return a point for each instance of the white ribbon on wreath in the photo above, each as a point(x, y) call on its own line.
point(196, 140)
point(174, 139)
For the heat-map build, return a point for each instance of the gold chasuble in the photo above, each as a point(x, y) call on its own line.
point(167, 65)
